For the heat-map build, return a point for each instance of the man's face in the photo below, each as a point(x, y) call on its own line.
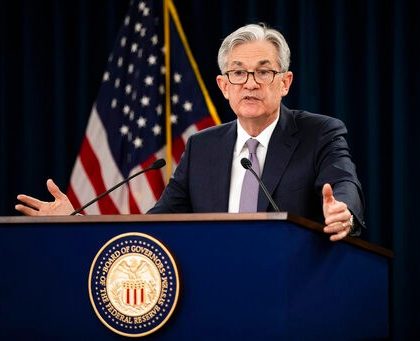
point(254, 101)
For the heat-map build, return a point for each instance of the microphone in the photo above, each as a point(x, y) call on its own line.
point(156, 165)
point(248, 165)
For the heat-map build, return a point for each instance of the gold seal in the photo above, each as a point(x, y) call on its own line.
point(133, 284)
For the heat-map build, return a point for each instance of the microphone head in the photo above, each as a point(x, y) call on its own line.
point(246, 163)
point(158, 164)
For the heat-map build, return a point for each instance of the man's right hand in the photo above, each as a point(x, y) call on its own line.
point(33, 207)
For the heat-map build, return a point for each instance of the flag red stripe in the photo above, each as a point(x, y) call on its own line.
point(178, 147)
point(154, 178)
point(156, 183)
point(134, 209)
point(93, 170)
point(205, 123)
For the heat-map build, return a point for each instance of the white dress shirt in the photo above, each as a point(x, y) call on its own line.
point(240, 151)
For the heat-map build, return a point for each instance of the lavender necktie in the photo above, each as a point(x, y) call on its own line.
point(250, 186)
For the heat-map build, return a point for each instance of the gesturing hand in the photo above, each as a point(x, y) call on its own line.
point(33, 207)
point(338, 218)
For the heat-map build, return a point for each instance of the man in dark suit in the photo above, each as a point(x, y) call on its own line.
point(303, 158)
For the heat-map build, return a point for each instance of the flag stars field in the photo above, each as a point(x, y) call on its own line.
point(145, 101)
point(175, 99)
point(138, 142)
point(141, 122)
point(156, 129)
point(148, 81)
point(174, 118)
point(155, 39)
point(177, 77)
point(152, 60)
point(124, 130)
point(187, 106)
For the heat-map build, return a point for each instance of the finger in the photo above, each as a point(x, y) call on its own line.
point(327, 194)
point(339, 236)
point(336, 207)
point(338, 218)
point(26, 210)
point(54, 190)
point(30, 201)
point(337, 227)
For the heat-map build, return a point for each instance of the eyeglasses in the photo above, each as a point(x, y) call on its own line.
point(262, 76)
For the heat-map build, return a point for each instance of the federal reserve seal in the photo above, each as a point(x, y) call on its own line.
point(133, 284)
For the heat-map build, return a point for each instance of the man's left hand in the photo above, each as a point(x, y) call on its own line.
point(338, 218)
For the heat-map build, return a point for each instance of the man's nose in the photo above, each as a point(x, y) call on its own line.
point(251, 82)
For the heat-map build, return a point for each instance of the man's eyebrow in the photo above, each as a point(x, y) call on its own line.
point(237, 63)
point(260, 63)
point(264, 62)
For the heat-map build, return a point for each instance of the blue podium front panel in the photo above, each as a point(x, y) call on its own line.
point(239, 280)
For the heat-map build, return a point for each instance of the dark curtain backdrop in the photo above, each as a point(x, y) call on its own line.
point(356, 60)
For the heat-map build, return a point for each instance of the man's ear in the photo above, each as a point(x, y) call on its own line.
point(223, 85)
point(286, 83)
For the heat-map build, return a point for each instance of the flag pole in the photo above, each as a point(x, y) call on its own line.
point(168, 125)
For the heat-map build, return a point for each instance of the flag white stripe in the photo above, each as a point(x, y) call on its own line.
point(191, 130)
point(111, 175)
point(82, 187)
point(141, 189)
point(142, 192)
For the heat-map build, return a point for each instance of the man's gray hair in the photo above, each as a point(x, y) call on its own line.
point(250, 33)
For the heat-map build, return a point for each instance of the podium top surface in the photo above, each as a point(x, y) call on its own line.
point(189, 217)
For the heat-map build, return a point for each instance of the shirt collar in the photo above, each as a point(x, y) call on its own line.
point(263, 138)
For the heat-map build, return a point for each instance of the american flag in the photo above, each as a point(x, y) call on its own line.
point(135, 119)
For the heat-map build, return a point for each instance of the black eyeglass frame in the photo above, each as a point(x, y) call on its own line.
point(273, 72)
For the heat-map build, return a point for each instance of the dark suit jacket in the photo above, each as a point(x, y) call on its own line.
point(305, 152)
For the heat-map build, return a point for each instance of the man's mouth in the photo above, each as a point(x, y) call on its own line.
point(250, 98)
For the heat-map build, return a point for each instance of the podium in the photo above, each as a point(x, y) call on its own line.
point(263, 276)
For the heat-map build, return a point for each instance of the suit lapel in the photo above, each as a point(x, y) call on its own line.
point(280, 149)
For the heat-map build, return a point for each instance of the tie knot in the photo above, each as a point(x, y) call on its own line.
point(252, 145)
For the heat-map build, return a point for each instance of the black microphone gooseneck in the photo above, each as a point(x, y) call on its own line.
point(248, 165)
point(156, 165)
